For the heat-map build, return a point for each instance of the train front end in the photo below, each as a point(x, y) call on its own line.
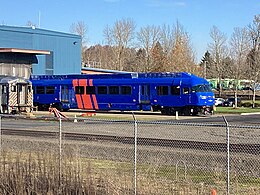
point(202, 96)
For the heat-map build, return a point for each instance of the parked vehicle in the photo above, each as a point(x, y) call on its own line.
point(219, 101)
point(165, 92)
point(231, 102)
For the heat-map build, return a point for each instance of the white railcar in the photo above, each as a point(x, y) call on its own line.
point(16, 95)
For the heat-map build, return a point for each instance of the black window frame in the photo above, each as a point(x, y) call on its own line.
point(113, 90)
point(13, 88)
point(79, 90)
point(40, 89)
point(126, 90)
point(102, 90)
point(175, 90)
point(90, 90)
point(49, 89)
point(162, 90)
point(29, 88)
point(185, 90)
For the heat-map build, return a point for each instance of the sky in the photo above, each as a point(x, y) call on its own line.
point(196, 16)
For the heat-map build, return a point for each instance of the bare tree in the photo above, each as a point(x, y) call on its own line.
point(182, 54)
point(167, 38)
point(120, 36)
point(240, 46)
point(80, 28)
point(147, 37)
point(254, 54)
point(218, 50)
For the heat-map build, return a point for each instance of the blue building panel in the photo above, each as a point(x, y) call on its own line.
point(65, 48)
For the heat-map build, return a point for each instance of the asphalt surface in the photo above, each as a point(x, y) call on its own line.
point(232, 119)
point(206, 129)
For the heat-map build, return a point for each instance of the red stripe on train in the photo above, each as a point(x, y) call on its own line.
point(93, 95)
point(78, 98)
point(85, 97)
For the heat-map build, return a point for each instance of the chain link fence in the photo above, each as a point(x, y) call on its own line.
point(91, 156)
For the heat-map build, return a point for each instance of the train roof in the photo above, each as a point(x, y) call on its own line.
point(116, 76)
point(11, 79)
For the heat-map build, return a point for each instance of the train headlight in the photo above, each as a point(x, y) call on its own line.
point(203, 97)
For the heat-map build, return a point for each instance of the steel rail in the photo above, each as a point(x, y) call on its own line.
point(181, 144)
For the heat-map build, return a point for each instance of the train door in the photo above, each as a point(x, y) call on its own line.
point(22, 94)
point(64, 93)
point(186, 96)
point(144, 94)
point(4, 98)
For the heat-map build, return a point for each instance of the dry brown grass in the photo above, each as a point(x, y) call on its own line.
point(40, 173)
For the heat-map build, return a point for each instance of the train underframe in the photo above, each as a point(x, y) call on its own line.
point(186, 110)
point(165, 110)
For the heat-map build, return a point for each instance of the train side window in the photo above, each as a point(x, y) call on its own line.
point(79, 90)
point(13, 89)
point(102, 90)
point(162, 90)
point(175, 90)
point(40, 90)
point(126, 90)
point(185, 90)
point(90, 90)
point(50, 90)
point(114, 90)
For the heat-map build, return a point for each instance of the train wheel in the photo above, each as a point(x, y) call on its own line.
point(186, 111)
point(163, 111)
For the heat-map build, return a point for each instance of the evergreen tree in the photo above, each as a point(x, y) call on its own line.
point(158, 59)
point(207, 65)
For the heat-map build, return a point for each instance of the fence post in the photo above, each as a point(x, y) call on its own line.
point(60, 150)
point(0, 136)
point(135, 154)
point(228, 155)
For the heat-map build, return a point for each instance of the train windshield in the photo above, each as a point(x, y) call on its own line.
point(201, 88)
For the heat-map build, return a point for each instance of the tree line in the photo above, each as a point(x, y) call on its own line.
point(151, 49)
point(168, 48)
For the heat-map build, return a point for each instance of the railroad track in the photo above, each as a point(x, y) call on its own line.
point(182, 144)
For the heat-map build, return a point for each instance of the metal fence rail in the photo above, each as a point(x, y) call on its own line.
point(141, 157)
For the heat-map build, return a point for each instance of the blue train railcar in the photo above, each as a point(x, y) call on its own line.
point(165, 92)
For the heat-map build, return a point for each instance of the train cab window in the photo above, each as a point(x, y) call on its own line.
point(90, 90)
point(185, 90)
point(162, 90)
point(29, 89)
point(4, 89)
point(79, 90)
point(40, 90)
point(175, 90)
point(13, 88)
point(126, 90)
point(114, 90)
point(102, 90)
point(201, 88)
point(50, 90)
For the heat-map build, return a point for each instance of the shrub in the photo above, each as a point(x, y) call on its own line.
point(257, 105)
point(247, 104)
